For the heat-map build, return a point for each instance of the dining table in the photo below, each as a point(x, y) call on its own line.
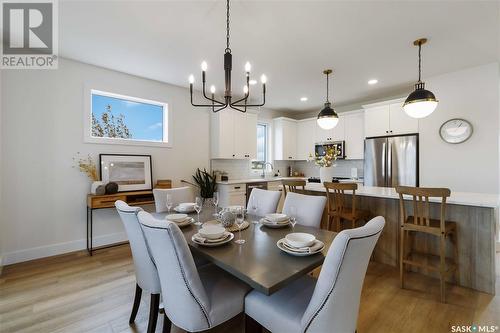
point(258, 262)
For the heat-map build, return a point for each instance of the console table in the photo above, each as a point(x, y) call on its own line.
point(135, 198)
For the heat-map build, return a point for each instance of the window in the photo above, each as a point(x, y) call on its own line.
point(261, 147)
point(123, 119)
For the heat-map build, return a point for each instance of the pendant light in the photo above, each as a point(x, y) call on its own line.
point(421, 102)
point(327, 118)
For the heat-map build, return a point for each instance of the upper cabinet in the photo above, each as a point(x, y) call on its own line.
point(354, 135)
point(233, 135)
point(306, 138)
point(388, 118)
point(285, 139)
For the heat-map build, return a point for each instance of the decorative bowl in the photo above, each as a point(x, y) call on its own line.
point(276, 217)
point(300, 239)
point(212, 231)
point(227, 218)
point(176, 217)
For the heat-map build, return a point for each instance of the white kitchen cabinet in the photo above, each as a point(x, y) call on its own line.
point(232, 194)
point(245, 135)
point(400, 122)
point(388, 118)
point(233, 135)
point(285, 142)
point(354, 136)
point(305, 138)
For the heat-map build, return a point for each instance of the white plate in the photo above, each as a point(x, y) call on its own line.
point(179, 210)
point(184, 223)
point(176, 217)
point(300, 239)
point(277, 217)
point(227, 240)
point(297, 254)
point(212, 231)
point(269, 224)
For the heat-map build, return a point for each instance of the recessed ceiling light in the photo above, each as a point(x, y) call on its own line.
point(372, 81)
point(252, 82)
point(303, 99)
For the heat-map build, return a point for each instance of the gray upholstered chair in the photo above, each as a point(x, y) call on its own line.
point(262, 202)
point(308, 208)
point(179, 195)
point(146, 274)
point(195, 299)
point(329, 304)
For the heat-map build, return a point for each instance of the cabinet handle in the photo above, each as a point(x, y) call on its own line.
point(234, 155)
point(237, 187)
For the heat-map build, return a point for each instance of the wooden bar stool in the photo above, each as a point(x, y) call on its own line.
point(292, 185)
point(337, 210)
point(420, 221)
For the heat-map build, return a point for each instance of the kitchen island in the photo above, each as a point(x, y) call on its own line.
point(476, 215)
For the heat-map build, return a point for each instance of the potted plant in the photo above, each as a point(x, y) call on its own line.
point(206, 182)
point(88, 166)
point(326, 163)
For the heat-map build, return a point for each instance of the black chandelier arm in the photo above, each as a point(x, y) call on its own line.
point(213, 100)
point(252, 105)
point(199, 105)
point(232, 106)
point(220, 109)
point(247, 94)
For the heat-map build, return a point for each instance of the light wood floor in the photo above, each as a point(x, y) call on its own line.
point(78, 293)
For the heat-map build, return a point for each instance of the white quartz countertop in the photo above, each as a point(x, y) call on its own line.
point(456, 198)
point(257, 180)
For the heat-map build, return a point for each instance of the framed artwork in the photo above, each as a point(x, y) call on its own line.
point(130, 172)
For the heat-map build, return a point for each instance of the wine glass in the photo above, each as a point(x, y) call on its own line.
point(197, 206)
point(240, 218)
point(293, 217)
point(255, 208)
point(170, 203)
point(215, 201)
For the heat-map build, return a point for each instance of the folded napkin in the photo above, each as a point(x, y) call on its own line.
point(309, 249)
point(204, 240)
point(266, 221)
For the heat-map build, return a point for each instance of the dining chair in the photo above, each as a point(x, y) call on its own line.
point(262, 202)
point(179, 195)
point(291, 185)
point(328, 304)
point(420, 222)
point(195, 299)
point(146, 275)
point(337, 207)
point(308, 208)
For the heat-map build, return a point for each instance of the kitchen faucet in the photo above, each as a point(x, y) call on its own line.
point(264, 168)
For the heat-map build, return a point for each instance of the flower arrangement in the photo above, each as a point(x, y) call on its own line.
point(331, 153)
point(87, 166)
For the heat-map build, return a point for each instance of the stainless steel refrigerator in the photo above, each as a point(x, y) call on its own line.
point(391, 161)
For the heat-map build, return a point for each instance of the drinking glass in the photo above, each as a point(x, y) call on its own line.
point(197, 206)
point(240, 218)
point(293, 217)
point(255, 209)
point(215, 201)
point(170, 203)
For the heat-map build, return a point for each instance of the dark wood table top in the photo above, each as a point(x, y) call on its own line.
point(259, 262)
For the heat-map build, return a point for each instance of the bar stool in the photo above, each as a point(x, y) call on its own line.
point(421, 222)
point(292, 185)
point(337, 210)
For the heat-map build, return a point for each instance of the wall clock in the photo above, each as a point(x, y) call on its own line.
point(455, 130)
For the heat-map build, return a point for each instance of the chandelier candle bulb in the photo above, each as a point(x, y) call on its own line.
point(204, 66)
point(245, 89)
point(212, 89)
point(263, 79)
point(248, 67)
point(191, 79)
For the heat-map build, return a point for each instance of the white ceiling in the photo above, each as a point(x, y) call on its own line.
point(290, 41)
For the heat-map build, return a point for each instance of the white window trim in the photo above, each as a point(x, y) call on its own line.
point(87, 120)
point(268, 125)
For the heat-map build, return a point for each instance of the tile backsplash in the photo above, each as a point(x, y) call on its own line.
point(240, 169)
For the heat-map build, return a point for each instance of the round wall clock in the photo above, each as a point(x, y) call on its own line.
point(455, 130)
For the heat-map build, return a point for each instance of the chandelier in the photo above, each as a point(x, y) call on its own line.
point(216, 105)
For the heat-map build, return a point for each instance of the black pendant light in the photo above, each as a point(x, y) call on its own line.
point(421, 102)
point(327, 118)
point(217, 105)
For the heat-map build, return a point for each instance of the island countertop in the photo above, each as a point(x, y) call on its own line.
point(457, 198)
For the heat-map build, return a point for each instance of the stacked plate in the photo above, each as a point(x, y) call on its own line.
point(275, 220)
point(181, 220)
point(300, 244)
point(212, 235)
point(185, 207)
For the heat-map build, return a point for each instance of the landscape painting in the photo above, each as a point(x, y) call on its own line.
point(130, 172)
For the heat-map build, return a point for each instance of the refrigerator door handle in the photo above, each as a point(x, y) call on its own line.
point(389, 164)
point(384, 163)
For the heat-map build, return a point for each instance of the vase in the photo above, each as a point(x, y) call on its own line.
point(326, 174)
point(94, 185)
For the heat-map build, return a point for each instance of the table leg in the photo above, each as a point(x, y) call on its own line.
point(89, 230)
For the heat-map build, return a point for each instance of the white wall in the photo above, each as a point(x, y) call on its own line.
point(472, 166)
point(43, 206)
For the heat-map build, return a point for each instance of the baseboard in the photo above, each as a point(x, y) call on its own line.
point(60, 248)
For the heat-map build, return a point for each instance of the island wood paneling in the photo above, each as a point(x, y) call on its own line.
point(476, 238)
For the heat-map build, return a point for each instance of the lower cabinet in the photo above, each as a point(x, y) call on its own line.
point(232, 194)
